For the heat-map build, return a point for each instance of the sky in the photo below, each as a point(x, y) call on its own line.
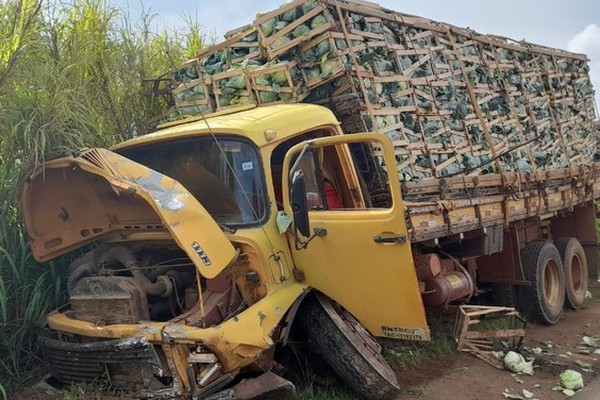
point(567, 24)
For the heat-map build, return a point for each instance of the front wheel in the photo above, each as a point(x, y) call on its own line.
point(542, 265)
point(348, 348)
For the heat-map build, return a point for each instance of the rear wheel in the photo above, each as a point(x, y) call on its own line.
point(576, 271)
point(542, 265)
point(348, 348)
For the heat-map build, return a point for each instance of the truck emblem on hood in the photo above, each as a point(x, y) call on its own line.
point(196, 246)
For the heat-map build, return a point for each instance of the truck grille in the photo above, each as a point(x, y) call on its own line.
point(85, 362)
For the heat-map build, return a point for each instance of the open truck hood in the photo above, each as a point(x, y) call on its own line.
point(75, 200)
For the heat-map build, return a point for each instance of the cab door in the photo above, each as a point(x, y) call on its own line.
point(356, 254)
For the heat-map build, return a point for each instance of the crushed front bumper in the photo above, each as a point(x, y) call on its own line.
point(129, 362)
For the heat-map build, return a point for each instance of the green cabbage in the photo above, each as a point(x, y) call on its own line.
point(301, 30)
point(341, 44)
point(282, 41)
point(186, 74)
point(310, 56)
point(239, 100)
point(267, 97)
point(263, 80)
point(268, 26)
point(323, 48)
point(192, 110)
point(318, 21)
point(328, 66)
point(309, 5)
point(570, 379)
point(236, 82)
point(198, 89)
point(313, 74)
point(280, 77)
point(224, 100)
point(191, 72)
point(290, 15)
point(285, 96)
point(280, 25)
point(252, 37)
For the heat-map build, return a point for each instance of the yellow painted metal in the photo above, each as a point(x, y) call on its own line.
point(376, 282)
point(236, 342)
point(286, 120)
point(190, 225)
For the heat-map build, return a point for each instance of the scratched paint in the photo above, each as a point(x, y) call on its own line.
point(166, 198)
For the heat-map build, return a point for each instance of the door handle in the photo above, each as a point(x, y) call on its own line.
point(394, 239)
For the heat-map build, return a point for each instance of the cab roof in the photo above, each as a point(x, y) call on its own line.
point(285, 119)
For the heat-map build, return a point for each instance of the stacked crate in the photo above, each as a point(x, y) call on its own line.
point(453, 101)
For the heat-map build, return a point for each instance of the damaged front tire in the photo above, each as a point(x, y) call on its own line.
point(348, 348)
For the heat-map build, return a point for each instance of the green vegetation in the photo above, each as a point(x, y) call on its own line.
point(70, 77)
point(327, 393)
point(403, 355)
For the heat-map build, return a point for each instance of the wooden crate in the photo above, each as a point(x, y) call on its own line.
point(246, 47)
point(240, 44)
point(157, 93)
point(193, 98)
point(290, 89)
point(448, 97)
point(320, 66)
point(274, 41)
point(188, 71)
point(232, 89)
point(196, 90)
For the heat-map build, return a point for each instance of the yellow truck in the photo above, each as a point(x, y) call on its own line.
point(212, 242)
point(218, 241)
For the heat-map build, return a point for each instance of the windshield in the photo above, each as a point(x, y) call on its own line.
point(223, 174)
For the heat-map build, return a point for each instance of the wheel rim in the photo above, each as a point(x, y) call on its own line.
point(576, 273)
point(551, 284)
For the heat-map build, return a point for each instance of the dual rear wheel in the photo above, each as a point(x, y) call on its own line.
point(559, 276)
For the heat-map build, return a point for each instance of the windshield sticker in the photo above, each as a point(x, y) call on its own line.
point(247, 166)
point(198, 249)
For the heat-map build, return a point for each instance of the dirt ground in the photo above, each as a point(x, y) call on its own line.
point(465, 377)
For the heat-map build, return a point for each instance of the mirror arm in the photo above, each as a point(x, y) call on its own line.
point(308, 145)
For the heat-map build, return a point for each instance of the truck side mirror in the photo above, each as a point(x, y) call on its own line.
point(298, 203)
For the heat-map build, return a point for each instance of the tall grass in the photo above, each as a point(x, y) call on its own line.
point(27, 290)
point(70, 77)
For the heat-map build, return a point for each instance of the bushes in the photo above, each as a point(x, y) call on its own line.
point(70, 77)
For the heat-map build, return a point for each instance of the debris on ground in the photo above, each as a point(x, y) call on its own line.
point(525, 395)
point(515, 362)
point(591, 341)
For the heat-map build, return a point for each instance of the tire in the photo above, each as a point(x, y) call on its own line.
point(348, 348)
point(504, 294)
point(543, 301)
point(576, 271)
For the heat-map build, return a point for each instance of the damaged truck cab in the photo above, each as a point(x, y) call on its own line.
point(199, 253)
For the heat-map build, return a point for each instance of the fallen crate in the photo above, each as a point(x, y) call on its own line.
point(479, 330)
